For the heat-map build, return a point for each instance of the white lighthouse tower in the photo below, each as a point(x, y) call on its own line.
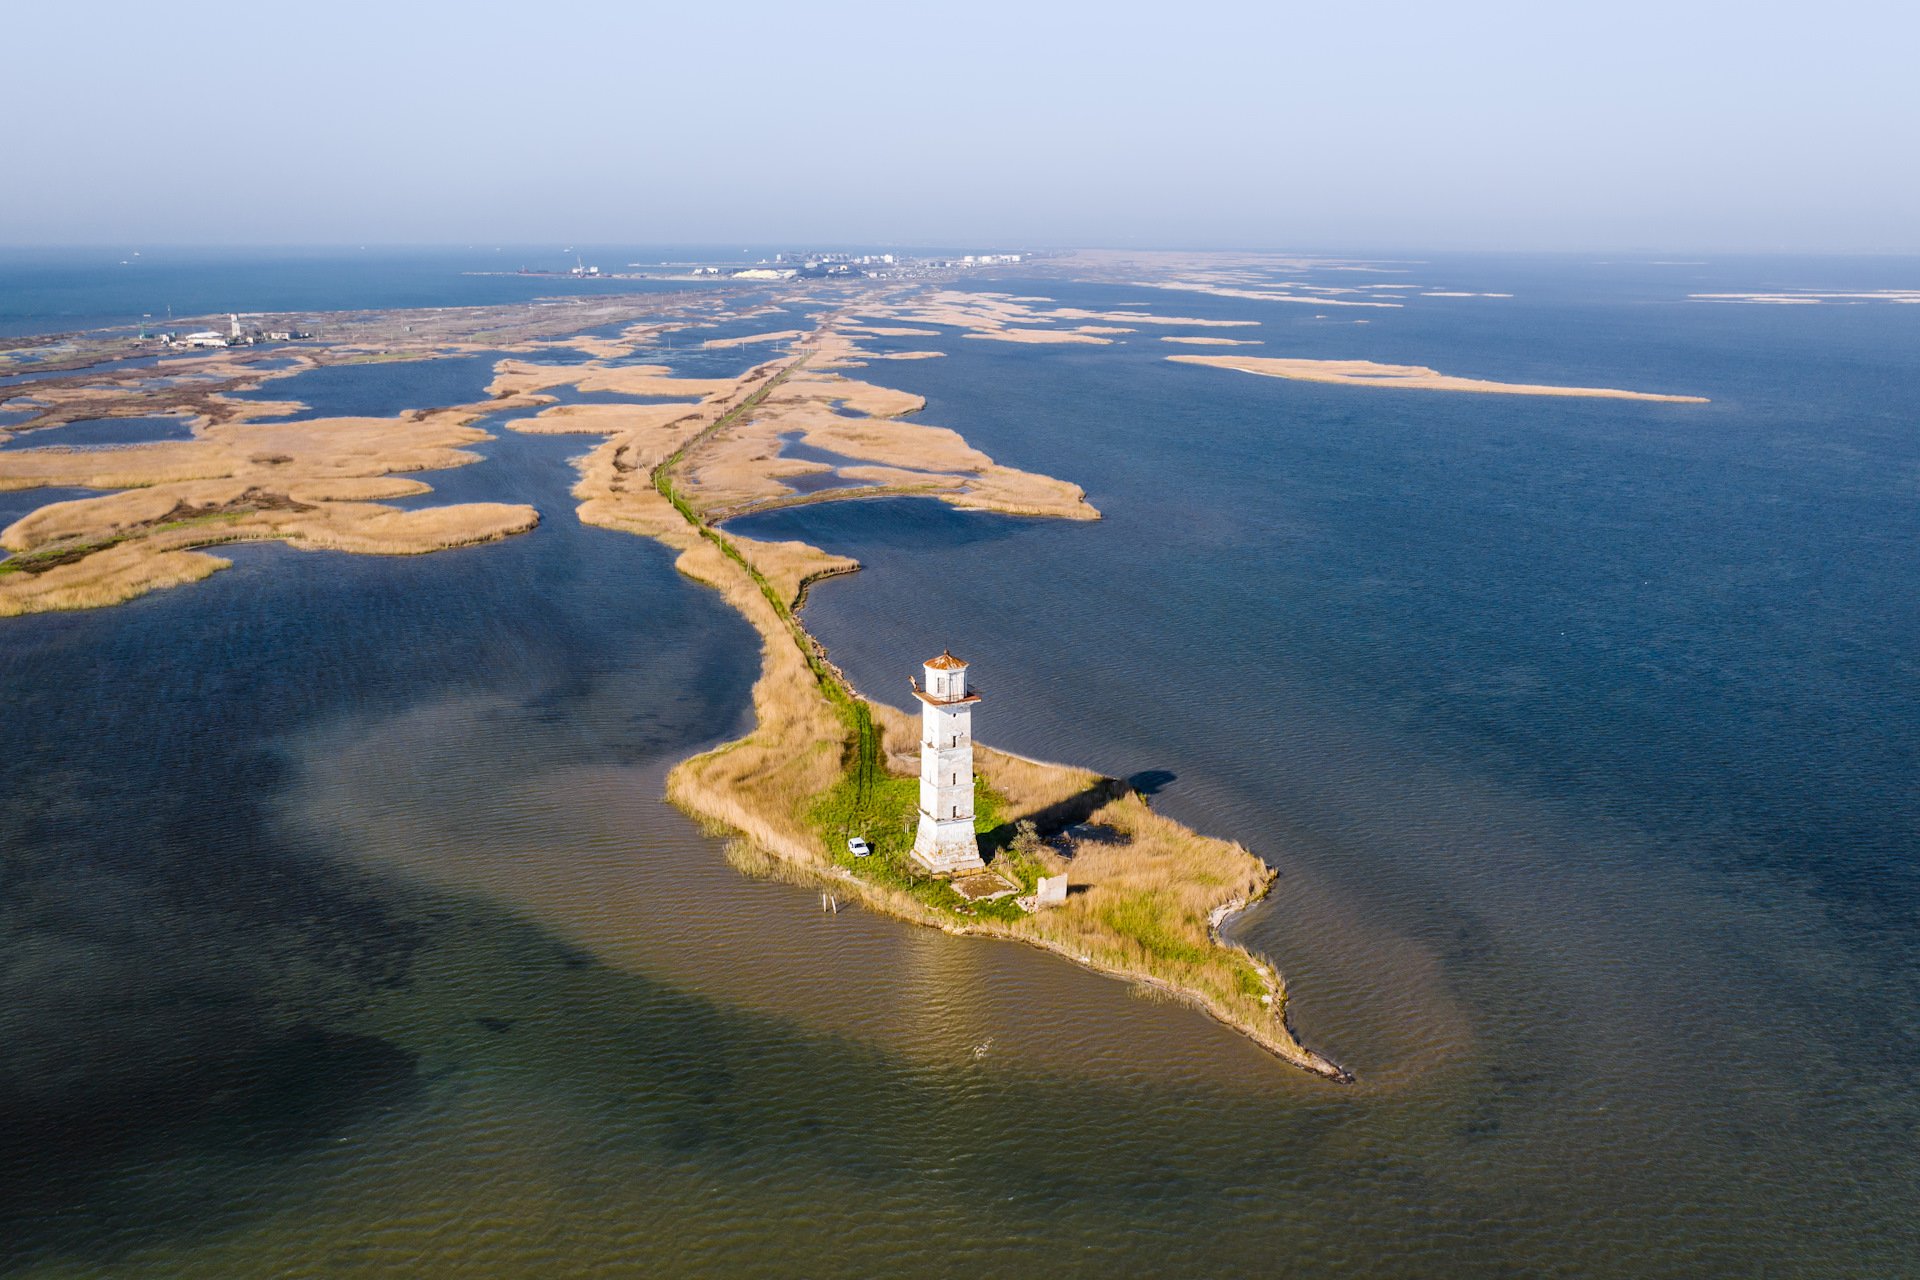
point(945, 843)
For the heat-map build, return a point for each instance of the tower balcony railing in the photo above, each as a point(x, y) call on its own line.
point(971, 695)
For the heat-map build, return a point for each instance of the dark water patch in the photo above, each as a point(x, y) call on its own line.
point(516, 452)
point(379, 389)
point(792, 446)
point(23, 502)
point(96, 433)
point(78, 1181)
point(819, 482)
point(566, 393)
point(688, 359)
point(105, 366)
point(560, 354)
point(895, 527)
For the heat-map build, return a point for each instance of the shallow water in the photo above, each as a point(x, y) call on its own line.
point(344, 928)
point(100, 433)
point(380, 388)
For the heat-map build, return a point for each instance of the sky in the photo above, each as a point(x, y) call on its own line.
point(1341, 124)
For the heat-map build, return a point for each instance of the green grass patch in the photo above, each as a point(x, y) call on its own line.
point(1141, 918)
point(53, 557)
point(885, 811)
point(863, 749)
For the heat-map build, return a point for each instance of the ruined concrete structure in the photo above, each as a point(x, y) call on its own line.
point(945, 843)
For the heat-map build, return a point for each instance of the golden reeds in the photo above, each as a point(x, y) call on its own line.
point(309, 483)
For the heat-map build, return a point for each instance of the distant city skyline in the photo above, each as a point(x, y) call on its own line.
point(1687, 127)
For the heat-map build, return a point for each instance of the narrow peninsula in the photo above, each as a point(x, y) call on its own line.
point(824, 763)
point(825, 788)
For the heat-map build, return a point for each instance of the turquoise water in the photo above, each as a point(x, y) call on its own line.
point(343, 930)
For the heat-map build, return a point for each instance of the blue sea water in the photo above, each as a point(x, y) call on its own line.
point(100, 433)
point(62, 290)
point(380, 388)
point(341, 925)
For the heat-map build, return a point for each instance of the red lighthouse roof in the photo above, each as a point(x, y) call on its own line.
point(945, 662)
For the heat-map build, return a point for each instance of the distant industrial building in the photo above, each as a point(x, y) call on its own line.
point(237, 335)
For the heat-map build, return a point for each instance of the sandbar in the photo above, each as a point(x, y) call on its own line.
point(1367, 373)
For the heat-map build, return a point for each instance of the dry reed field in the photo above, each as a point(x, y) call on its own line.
point(313, 484)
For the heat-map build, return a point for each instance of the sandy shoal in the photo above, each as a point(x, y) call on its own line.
point(1367, 373)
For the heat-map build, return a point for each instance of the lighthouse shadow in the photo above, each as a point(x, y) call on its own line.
point(1057, 817)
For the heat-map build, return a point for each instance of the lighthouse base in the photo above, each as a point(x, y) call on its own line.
point(947, 848)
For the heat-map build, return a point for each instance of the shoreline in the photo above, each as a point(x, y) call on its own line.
point(803, 866)
point(1149, 895)
point(809, 721)
point(1371, 373)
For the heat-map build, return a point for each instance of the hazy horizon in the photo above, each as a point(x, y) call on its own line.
point(1381, 128)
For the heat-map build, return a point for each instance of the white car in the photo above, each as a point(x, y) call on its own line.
point(858, 847)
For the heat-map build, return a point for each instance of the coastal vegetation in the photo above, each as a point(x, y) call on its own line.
point(823, 763)
point(314, 484)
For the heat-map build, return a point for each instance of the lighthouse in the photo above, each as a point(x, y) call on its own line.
point(945, 842)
